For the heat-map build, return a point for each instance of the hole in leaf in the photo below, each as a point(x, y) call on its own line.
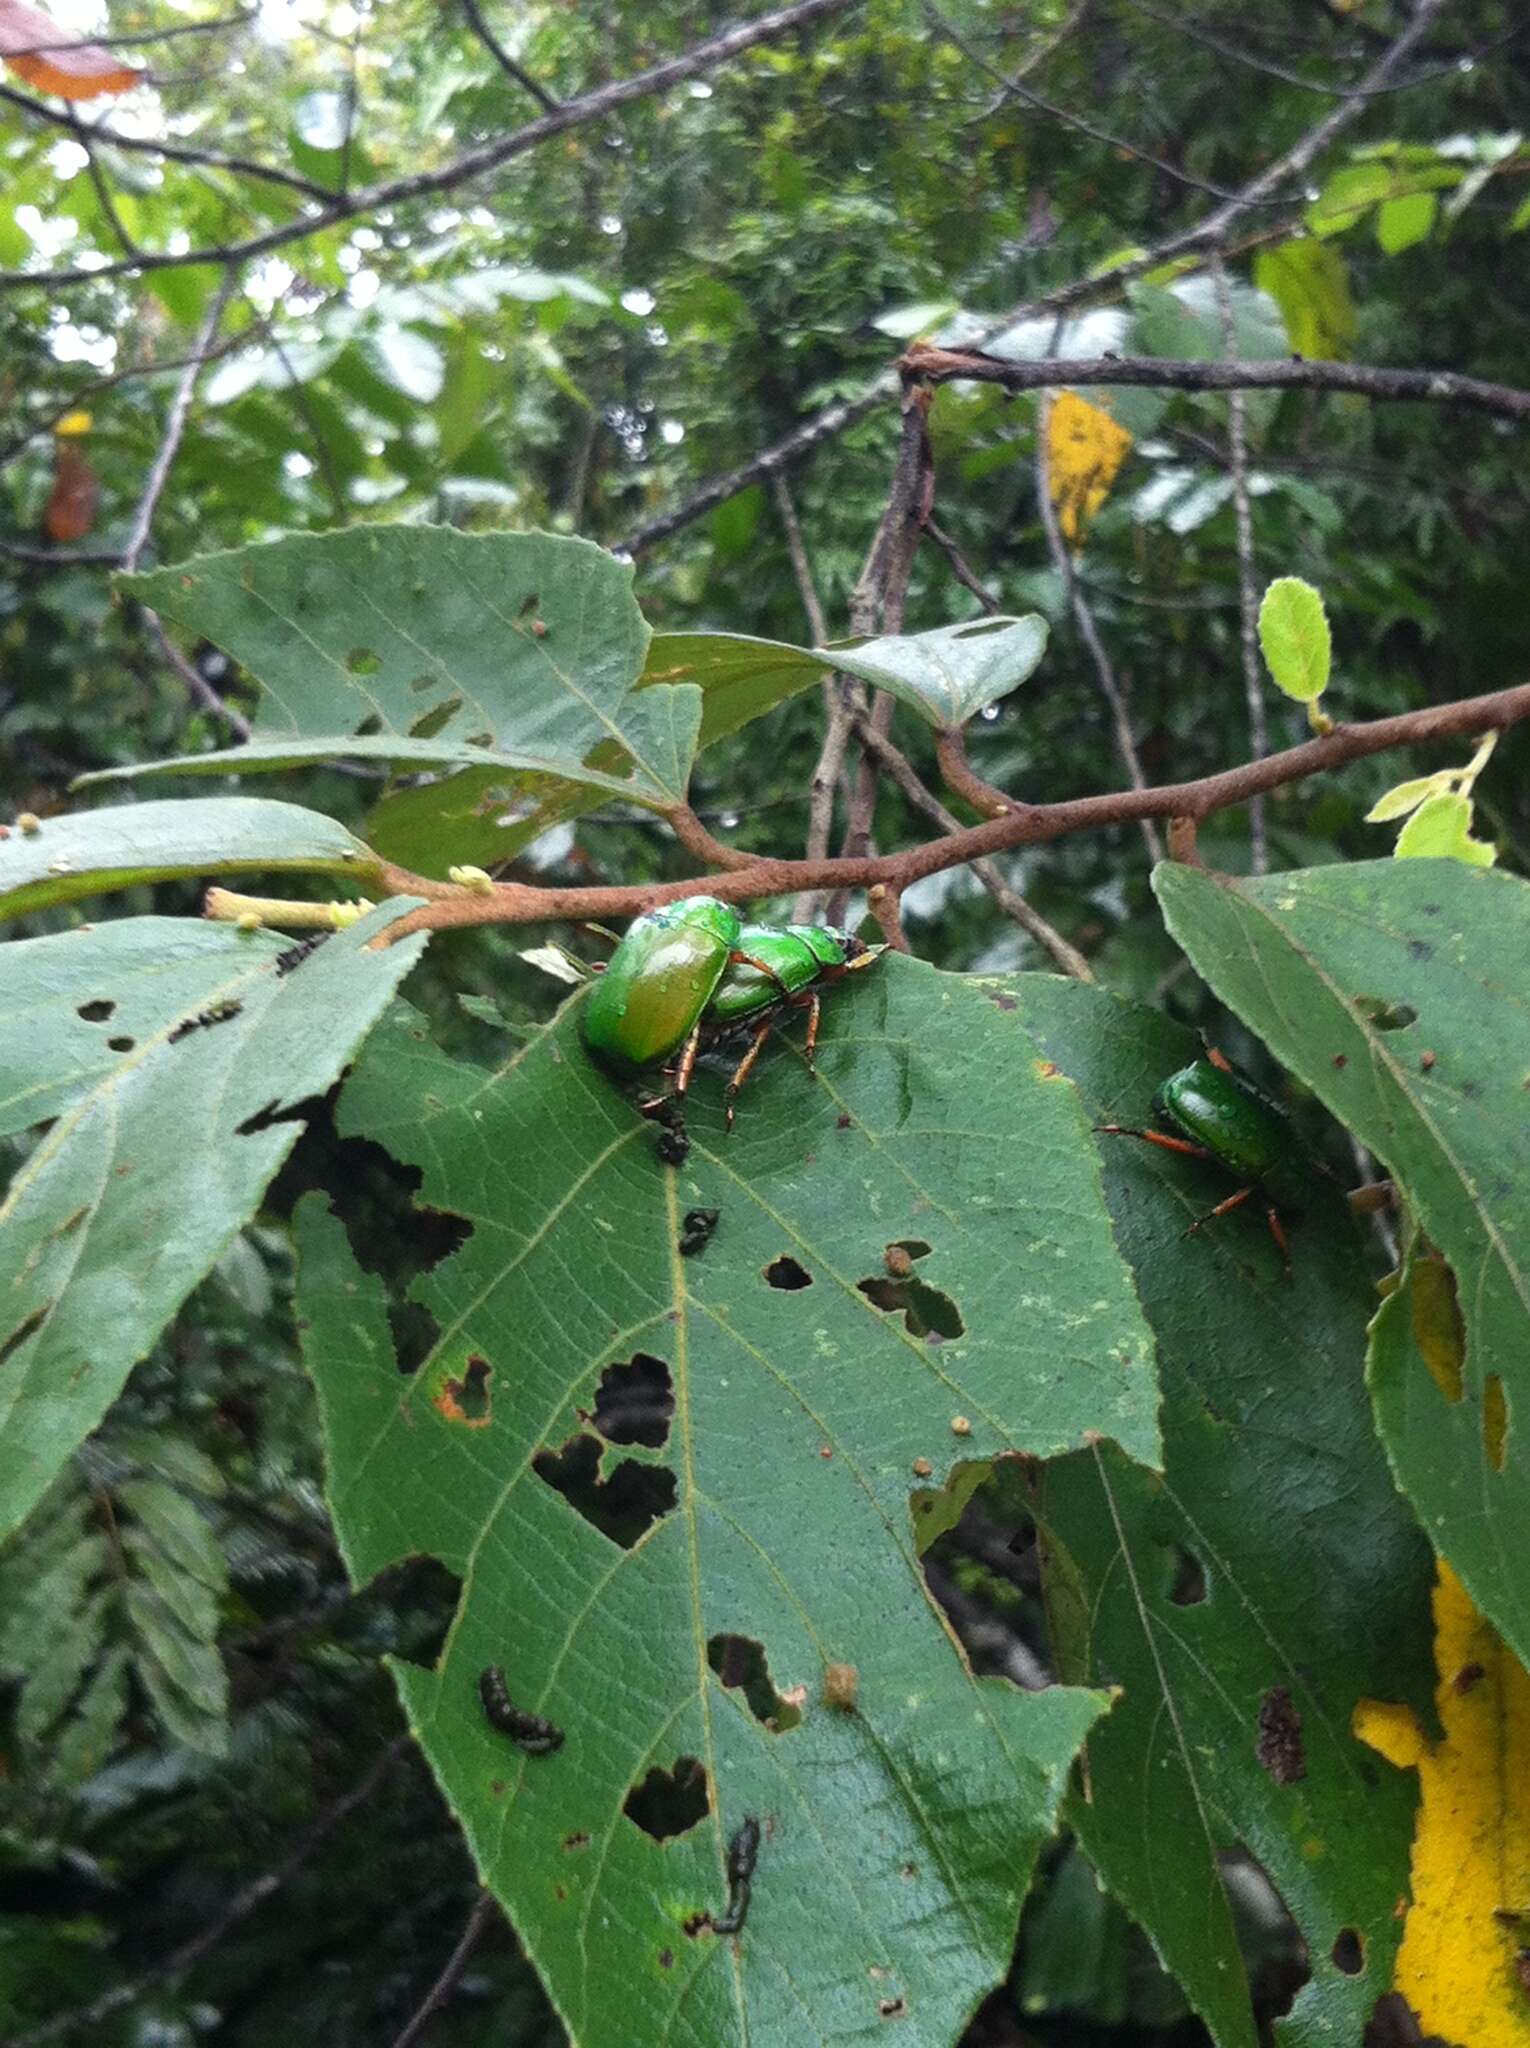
point(121, 1044)
point(369, 727)
point(635, 1403)
point(623, 1507)
point(1187, 1588)
point(670, 1803)
point(1266, 1931)
point(740, 1664)
point(466, 1399)
point(976, 1539)
point(363, 661)
point(1385, 1016)
point(274, 1113)
point(786, 1274)
point(416, 1333)
point(96, 1012)
point(1279, 1746)
point(429, 723)
point(927, 1311)
point(1349, 1952)
point(28, 1327)
point(1495, 1421)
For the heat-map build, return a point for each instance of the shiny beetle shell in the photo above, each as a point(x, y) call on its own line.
point(1241, 1127)
point(659, 981)
point(796, 954)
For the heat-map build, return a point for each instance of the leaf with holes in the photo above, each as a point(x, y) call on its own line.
point(676, 1484)
point(138, 1188)
point(1400, 992)
point(486, 816)
point(93, 853)
point(948, 675)
point(1247, 1599)
point(429, 647)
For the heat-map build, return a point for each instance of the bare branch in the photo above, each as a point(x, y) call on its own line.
point(175, 423)
point(456, 1963)
point(1083, 618)
point(503, 58)
point(87, 132)
point(592, 106)
point(1290, 373)
point(1248, 602)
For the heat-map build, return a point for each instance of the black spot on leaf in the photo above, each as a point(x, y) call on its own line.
point(121, 1044)
point(1279, 1746)
point(1187, 1588)
point(27, 1327)
point(1349, 1952)
point(96, 1012)
point(785, 1274)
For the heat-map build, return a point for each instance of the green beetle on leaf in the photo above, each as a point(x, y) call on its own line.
point(692, 975)
point(1214, 1112)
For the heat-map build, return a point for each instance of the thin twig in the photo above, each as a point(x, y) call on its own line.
point(836, 700)
point(1163, 373)
point(503, 58)
point(1083, 618)
point(175, 423)
point(137, 37)
point(1248, 602)
point(456, 1963)
point(239, 1908)
point(592, 106)
point(960, 568)
point(107, 204)
point(198, 687)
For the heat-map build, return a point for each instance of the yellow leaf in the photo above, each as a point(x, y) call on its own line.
point(1085, 448)
point(73, 423)
point(1465, 1953)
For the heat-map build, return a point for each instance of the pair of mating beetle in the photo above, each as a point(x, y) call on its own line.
point(694, 975)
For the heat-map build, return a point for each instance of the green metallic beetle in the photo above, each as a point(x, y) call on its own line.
point(1216, 1113)
point(692, 975)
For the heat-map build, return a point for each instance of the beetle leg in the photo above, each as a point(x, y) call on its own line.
point(741, 1071)
point(814, 1010)
point(1218, 1058)
point(1234, 1201)
point(686, 1065)
point(1158, 1138)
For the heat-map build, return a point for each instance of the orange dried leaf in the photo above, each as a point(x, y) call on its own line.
point(1468, 1927)
point(71, 507)
point(38, 50)
point(1085, 448)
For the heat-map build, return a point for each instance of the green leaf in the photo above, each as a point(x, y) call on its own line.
point(92, 853)
point(1441, 828)
point(1276, 1506)
point(74, 1005)
point(194, 1668)
point(1293, 631)
point(1348, 196)
point(131, 1197)
point(780, 1483)
point(1309, 280)
point(1402, 222)
point(948, 675)
point(1403, 797)
point(740, 678)
point(1400, 992)
point(420, 644)
point(178, 1529)
point(193, 1604)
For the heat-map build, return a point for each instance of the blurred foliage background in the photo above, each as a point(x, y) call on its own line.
point(189, 1693)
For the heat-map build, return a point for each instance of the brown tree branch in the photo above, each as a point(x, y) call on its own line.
point(483, 1909)
point(175, 423)
point(503, 58)
point(1248, 601)
point(1027, 825)
point(1289, 373)
point(591, 106)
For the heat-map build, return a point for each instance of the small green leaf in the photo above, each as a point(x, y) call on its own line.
point(1348, 195)
point(1407, 796)
point(179, 1529)
point(948, 675)
point(1402, 222)
point(93, 853)
point(194, 1668)
point(1441, 828)
point(1293, 631)
point(193, 1603)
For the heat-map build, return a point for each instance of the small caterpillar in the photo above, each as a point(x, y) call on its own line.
point(529, 1732)
point(220, 1013)
point(742, 1853)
